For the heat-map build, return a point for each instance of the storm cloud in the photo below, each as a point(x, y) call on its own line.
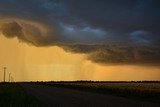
point(107, 31)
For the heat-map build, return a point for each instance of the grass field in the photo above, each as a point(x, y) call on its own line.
point(149, 91)
point(13, 95)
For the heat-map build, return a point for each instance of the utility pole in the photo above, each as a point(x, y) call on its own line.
point(9, 77)
point(5, 73)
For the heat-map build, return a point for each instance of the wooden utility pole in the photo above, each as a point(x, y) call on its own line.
point(12, 80)
point(9, 77)
point(5, 73)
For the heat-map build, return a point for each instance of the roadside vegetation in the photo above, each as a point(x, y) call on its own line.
point(141, 90)
point(13, 95)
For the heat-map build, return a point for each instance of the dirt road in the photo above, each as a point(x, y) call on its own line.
point(60, 97)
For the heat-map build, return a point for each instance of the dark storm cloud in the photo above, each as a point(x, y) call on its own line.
point(119, 54)
point(93, 27)
point(24, 32)
point(11, 30)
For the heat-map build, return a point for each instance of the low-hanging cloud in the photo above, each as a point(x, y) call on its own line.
point(106, 31)
point(12, 29)
point(24, 33)
point(113, 54)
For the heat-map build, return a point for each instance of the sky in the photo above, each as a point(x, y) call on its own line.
point(80, 39)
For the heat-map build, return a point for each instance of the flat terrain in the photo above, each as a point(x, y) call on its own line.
point(50, 96)
point(139, 90)
point(13, 95)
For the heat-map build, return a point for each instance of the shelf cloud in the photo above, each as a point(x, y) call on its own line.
point(107, 31)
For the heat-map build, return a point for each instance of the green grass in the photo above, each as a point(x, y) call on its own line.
point(13, 95)
point(148, 91)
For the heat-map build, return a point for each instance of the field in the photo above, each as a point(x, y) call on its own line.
point(149, 91)
point(83, 94)
point(80, 94)
point(13, 95)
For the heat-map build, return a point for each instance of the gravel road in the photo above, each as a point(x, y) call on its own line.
point(60, 97)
